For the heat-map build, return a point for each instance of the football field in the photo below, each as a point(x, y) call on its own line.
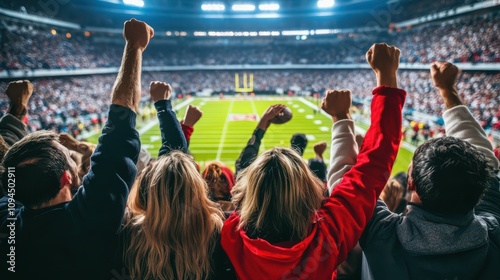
point(227, 125)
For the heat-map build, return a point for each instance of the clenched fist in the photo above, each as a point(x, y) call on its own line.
point(137, 33)
point(319, 148)
point(444, 75)
point(337, 103)
point(19, 92)
point(159, 91)
point(192, 115)
point(383, 58)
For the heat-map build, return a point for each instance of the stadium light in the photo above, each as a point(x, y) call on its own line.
point(269, 7)
point(325, 3)
point(213, 7)
point(137, 3)
point(243, 7)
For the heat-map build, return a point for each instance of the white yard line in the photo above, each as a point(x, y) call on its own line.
point(358, 129)
point(224, 131)
point(254, 109)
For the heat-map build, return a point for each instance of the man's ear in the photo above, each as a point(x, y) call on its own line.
point(411, 185)
point(66, 179)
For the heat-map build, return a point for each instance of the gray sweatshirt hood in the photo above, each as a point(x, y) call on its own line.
point(421, 232)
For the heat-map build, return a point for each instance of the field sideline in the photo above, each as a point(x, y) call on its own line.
point(227, 125)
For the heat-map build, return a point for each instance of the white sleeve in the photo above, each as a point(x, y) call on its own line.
point(460, 124)
point(343, 152)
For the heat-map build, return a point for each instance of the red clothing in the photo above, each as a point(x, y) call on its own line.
point(188, 131)
point(339, 223)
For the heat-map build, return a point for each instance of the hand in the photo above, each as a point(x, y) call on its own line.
point(384, 60)
point(137, 33)
point(336, 103)
point(444, 75)
point(69, 142)
point(159, 91)
point(192, 115)
point(19, 93)
point(319, 149)
point(269, 114)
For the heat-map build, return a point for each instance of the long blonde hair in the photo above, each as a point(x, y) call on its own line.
point(276, 196)
point(173, 225)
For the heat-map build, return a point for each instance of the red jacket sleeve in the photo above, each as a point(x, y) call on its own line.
point(188, 131)
point(351, 204)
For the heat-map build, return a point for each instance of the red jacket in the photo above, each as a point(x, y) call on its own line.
point(340, 221)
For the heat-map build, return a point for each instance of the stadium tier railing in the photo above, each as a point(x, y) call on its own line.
point(39, 73)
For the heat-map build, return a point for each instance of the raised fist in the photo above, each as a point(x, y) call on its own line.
point(19, 92)
point(337, 103)
point(137, 33)
point(444, 75)
point(192, 115)
point(69, 142)
point(319, 148)
point(383, 59)
point(159, 91)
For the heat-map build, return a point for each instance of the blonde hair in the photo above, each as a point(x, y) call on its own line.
point(276, 196)
point(173, 225)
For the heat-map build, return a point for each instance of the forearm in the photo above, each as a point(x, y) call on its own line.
point(343, 151)
point(450, 97)
point(101, 201)
point(127, 88)
point(250, 152)
point(172, 135)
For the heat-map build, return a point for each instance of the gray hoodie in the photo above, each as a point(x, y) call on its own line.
point(422, 245)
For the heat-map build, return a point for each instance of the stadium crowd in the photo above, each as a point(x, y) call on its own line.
point(467, 39)
point(75, 104)
point(133, 217)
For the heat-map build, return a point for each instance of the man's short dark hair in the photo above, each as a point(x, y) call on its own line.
point(39, 165)
point(450, 175)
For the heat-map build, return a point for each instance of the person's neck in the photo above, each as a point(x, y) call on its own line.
point(64, 195)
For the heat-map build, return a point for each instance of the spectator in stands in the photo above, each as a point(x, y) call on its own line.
point(250, 152)
point(445, 226)
point(172, 228)
point(220, 180)
point(317, 164)
point(83, 148)
point(281, 225)
point(298, 142)
point(60, 237)
point(393, 194)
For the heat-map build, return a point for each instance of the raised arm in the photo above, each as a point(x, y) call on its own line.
point(172, 137)
point(192, 115)
point(250, 152)
point(12, 128)
point(100, 203)
point(352, 202)
point(460, 123)
point(343, 151)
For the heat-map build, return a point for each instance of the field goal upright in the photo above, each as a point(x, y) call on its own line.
point(247, 83)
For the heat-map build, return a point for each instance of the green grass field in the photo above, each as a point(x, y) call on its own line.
point(217, 137)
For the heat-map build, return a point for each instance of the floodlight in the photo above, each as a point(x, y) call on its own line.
point(243, 7)
point(213, 7)
point(137, 3)
point(269, 7)
point(325, 3)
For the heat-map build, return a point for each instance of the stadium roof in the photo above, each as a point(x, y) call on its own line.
point(189, 14)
